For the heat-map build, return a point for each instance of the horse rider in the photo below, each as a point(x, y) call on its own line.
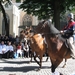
point(69, 32)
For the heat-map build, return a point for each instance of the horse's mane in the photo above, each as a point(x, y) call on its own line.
point(53, 30)
point(38, 27)
point(48, 28)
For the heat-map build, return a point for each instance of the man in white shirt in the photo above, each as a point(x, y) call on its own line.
point(3, 50)
point(10, 50)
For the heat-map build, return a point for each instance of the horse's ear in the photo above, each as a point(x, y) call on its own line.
point(43, 35)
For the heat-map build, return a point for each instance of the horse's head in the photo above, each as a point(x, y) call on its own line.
point(42, 27)
point(29, 32)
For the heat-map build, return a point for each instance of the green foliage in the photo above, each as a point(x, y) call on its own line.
point(5, 2)
point(18, 0)
point(45, 8)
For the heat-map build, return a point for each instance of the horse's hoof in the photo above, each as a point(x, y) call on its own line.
point(38, 69)
point(61, 74)
point(63, 66)
point(57, 73)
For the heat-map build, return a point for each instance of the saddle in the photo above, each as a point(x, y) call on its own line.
point(56, 42)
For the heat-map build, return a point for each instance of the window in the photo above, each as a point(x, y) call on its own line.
point(27, 20)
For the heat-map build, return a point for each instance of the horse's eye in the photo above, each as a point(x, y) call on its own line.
point(31, 31)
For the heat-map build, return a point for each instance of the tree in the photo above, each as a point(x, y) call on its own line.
point(47, 8)
point(2, 3)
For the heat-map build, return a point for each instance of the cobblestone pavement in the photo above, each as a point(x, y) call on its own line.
point(21, 66)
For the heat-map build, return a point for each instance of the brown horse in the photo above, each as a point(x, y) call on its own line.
point(57, 50)
point(37, 45)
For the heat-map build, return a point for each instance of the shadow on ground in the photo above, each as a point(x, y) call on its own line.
point(23, 68)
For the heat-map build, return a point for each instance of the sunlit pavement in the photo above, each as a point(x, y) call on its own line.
point(21, 66)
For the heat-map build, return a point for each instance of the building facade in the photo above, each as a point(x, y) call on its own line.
point(16, 18)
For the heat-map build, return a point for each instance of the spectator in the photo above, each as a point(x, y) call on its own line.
point(25, 40)
point(15, 50)
point(14, 47)
point(5, 52)
point(19, 50)
point(13, 40)
point(6, 39)
point(17, 39)
point(3, 38)
point(26, 50)
point(10, 49)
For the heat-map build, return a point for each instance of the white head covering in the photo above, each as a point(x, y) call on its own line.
point(71, 15)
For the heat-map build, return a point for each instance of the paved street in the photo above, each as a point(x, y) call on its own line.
point(21, 66)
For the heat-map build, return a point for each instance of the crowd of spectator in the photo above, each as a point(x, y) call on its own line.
point(11, 47)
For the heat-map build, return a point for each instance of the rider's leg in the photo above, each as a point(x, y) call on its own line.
point(71, 45)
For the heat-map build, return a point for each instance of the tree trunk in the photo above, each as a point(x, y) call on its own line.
point(56, 15)
point(5, 19)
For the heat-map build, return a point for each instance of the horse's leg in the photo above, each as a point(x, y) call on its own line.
point(47, 58)
point(36, 59)
point(64, 63)
point(31, 56)
point(30, 59)
point(55, 64)
point(40, 63)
